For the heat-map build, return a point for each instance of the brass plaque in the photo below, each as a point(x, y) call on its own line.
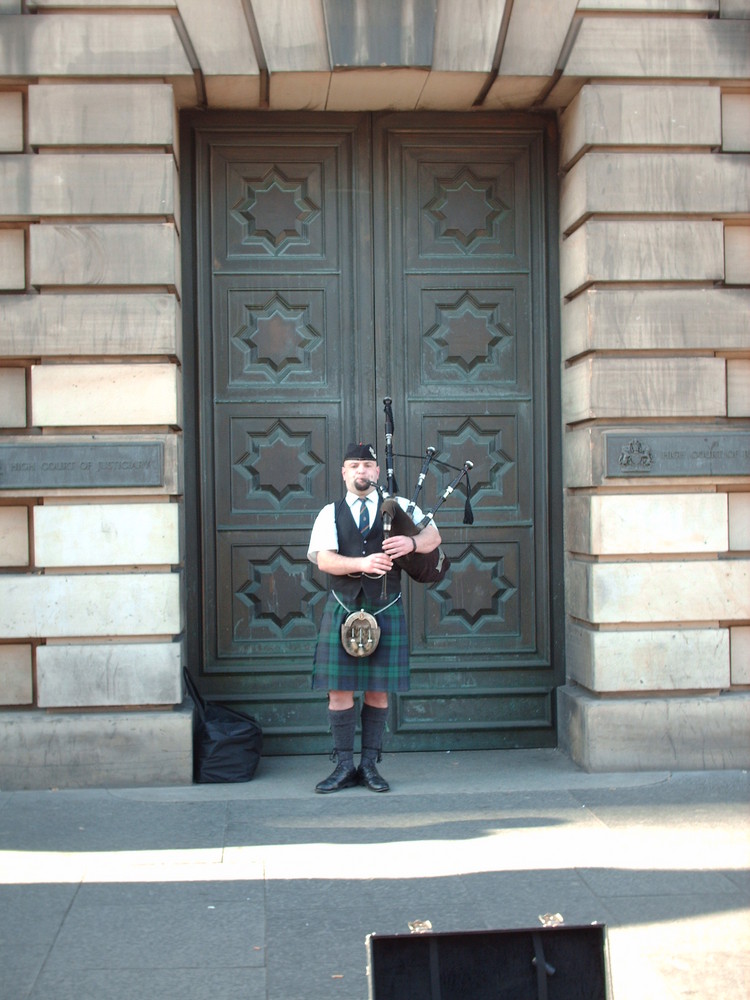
point(79, 466)
point(726, 453)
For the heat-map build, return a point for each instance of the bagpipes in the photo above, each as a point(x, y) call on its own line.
point(424, 567)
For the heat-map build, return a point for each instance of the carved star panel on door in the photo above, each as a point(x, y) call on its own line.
point(481, 598)
point(498, 446)
point(276, 467)
point(473, 213)
point(270, 596)
point(468, 335)
point(276, 338)
point(277, 206)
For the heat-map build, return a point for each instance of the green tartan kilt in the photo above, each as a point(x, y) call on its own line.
point(387, 669)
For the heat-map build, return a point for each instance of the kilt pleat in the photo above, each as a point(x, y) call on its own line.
point(386, 669)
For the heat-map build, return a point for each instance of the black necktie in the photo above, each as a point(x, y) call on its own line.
point(364, 517)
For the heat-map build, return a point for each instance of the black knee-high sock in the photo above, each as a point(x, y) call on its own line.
point(343, 724)
point(373, 727)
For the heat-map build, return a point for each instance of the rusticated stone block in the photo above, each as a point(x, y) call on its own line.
point(107, 535)
point(369, 89)
point(109, 674)
point(735, 123)
point(737, 254)
point(90, 605)
point(738, 388)
point(225, 52)
point(220, 37)
point(101, 114)
point(533, 42)
point(679, 591)
point(648, 319)
point(107, 324)
point(597, 387)
point(104, 395)
point(12, 263)
point(648, 660)
point(14, 537)
point(660, 48)
point(641, 734)
point(514, 92)
point(114, 254)
point(641, 251)
point(99, 44)
point(739, 521)
point(625, 524)
point(740, 650)
point(734, 8)
point(12, 397)
point(291, 91)
point(94, 4)
point(85, 750)
point(640, 115)
point(87, 184)
point(649, 6)
point(11, 122)
point(603, 183)
point(16, 687)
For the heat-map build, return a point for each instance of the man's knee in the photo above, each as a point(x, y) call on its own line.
point(340, 701)
point(378, 699)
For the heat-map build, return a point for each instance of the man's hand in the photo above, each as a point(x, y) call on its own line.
point(403, 545)
point(375, 564)
point(378, 563)
point(398, 545)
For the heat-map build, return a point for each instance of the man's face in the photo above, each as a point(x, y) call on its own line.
point(358, 473)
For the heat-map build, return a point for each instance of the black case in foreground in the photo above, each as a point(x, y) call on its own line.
point(549, 963)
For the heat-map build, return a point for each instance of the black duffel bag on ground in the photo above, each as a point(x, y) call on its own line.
point(227, 744)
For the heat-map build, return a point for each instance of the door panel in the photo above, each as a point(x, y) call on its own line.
point(344, 259)
point(458, 330)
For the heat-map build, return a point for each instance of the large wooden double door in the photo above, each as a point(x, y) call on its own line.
point(341, 259)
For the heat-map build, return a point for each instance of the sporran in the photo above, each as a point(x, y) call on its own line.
point(360, 634)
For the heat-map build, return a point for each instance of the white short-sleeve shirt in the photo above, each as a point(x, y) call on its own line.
point(324, 537)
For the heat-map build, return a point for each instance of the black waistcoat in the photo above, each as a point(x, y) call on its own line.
point(351, 543)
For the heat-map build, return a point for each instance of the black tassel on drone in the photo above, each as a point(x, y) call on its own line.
point(468, 512)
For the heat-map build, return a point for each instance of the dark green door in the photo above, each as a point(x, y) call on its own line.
point(342, 259)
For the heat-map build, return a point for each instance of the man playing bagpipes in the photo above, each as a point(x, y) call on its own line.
point(363, 642)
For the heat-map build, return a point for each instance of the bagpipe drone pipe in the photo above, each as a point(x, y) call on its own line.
point(423, 567)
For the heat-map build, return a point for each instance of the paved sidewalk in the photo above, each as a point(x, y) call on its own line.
point(266, 891)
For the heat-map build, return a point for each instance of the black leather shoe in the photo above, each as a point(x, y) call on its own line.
point(345, 776)
point(370, 777)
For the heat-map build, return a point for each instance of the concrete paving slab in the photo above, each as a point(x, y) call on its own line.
point(192, 983)
point(97, 819)
point(173, 935)
point(266, 890)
